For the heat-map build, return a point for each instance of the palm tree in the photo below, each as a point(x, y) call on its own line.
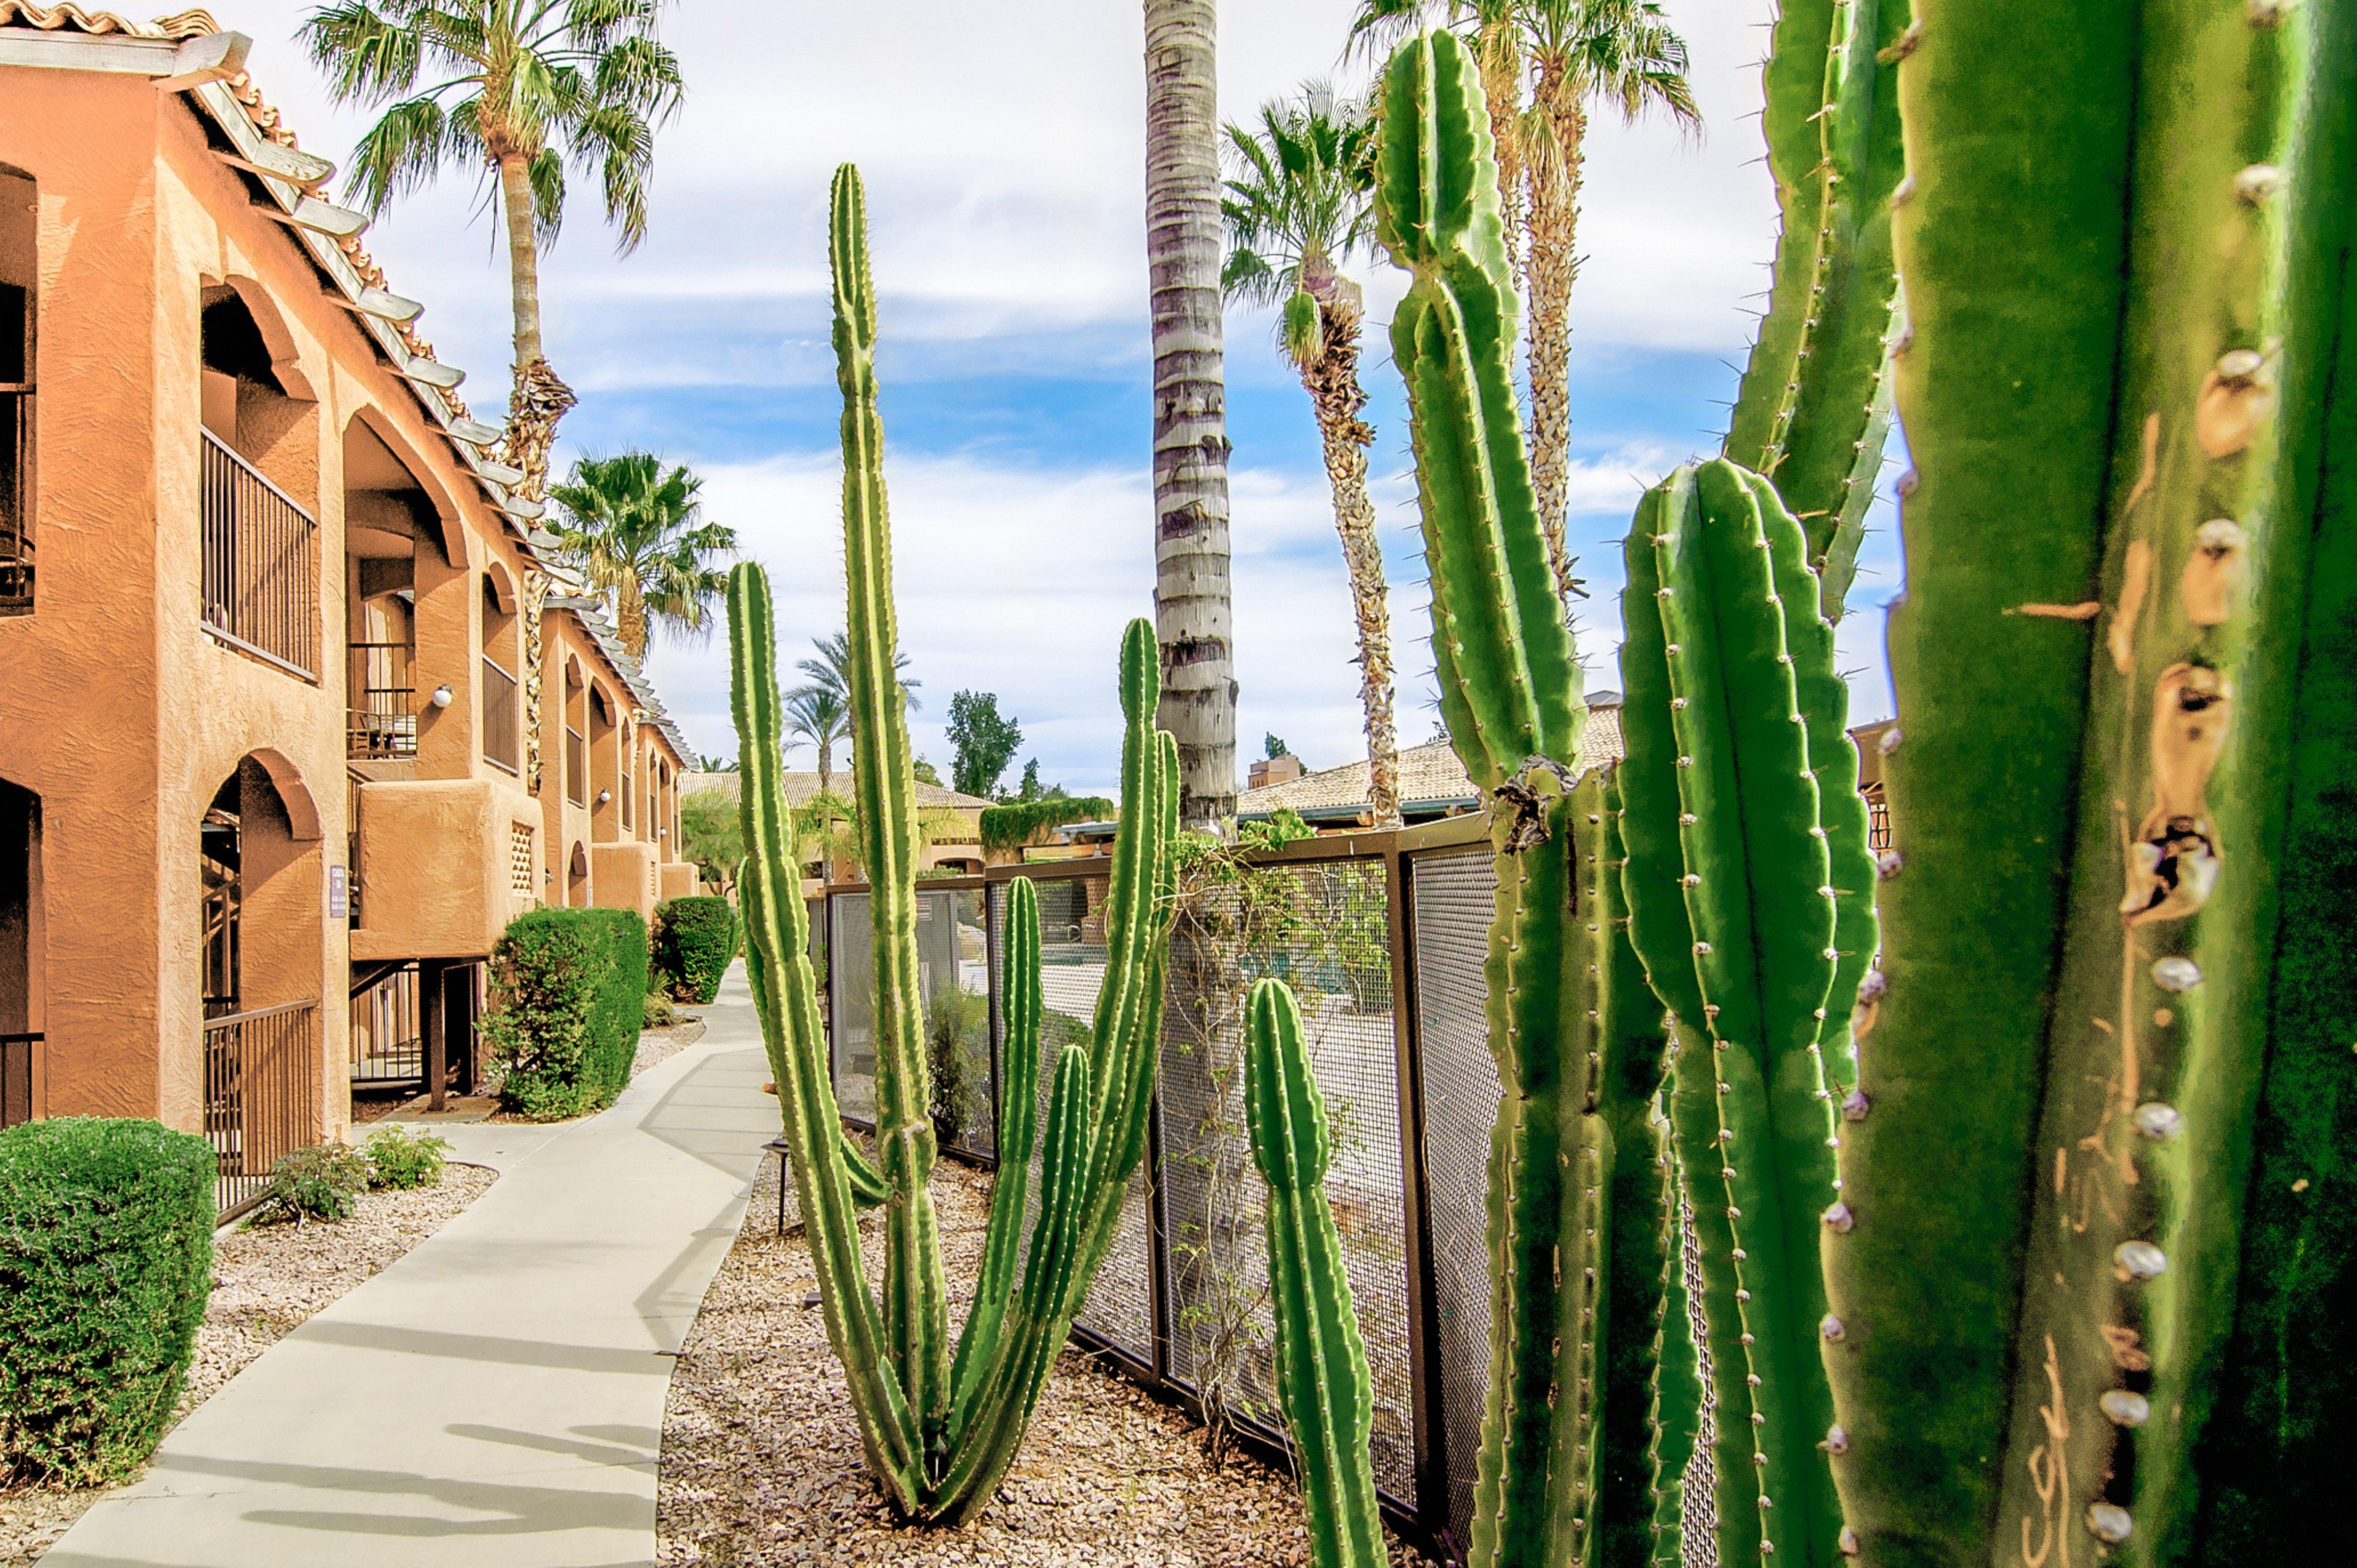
point(820, 719)
point(1619, 53)
point(524, 87)
point(831, 672)
point(1193, 619)
point(1299, 204)
point(637, 533)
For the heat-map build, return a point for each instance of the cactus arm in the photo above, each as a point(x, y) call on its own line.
point(915, 1292)
point(1824, 702)
point(1321, 1362)
point(786, 994)
point(1835, 541)
point(1640, 1226)
point(867, 1188)
point(1677, 1386)
point(1494, 604)
point(2005, 396)
point(1024, 1006)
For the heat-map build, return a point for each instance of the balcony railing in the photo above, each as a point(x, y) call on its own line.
point(576, 766)
point(502, 732)
point(381, 717)
point(20, 1063)
point(259, 1096)
point(260, 587)
point(16, 499)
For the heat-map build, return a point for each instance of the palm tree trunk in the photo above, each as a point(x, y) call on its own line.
point(1185, 241)
point(539, 399)
point(631, 618)
point(1501, 85)
point(1332, 379)
point(1554, 185)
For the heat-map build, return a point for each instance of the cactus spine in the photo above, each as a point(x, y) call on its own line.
point(1744, 831)
point(2100, 1278)
point(1813, 415)
point(1321, 1362)
point(938, 1427)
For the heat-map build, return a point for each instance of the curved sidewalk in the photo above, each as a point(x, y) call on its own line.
point(496, 1397)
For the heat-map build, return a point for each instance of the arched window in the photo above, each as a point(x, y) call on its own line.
point(19, 213)
point(502, 700)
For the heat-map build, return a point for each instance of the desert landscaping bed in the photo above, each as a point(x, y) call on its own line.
point(761, 1462)
point(266, 1281)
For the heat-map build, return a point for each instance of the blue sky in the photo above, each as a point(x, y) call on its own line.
point(1002, 151)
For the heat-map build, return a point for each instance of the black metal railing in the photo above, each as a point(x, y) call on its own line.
point(261, 564)
point(20, 1070)
point(576, 766)
point(388, 1043)
point(261, 1098)
point(381, 700)
point(15, 497)
point(502, 731)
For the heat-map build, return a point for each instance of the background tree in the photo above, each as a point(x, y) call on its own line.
point(711, 835)
point(1274, 748)
point(716, 764)
point(821, 720)
point(1300, 203)
point(985, 740)
point(831, 672)
point(925, 772)
point(638, 534)
point(1193, 619)
point(523, 88)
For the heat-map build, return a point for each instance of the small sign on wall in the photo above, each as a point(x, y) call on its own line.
point(339, 893)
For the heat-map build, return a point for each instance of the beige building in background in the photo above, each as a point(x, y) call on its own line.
point(268, 787)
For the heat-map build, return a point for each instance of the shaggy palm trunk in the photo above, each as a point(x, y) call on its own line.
point(1333, 379)
point(1501, 85)
point(630, 616)
point(1554, 266)
point(1185, 241)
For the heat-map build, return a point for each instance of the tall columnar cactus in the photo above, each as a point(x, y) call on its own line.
point(1511, 696)
point(1321, 1362)
point(1813, 411)
point(2100, 1288)
point(1746, 843)
point(938, 1426)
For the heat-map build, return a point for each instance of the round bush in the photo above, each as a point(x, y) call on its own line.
point(321, 1182)
point(568, 992)
point(106, 1250)
point(695, 940)
point(400, 1158)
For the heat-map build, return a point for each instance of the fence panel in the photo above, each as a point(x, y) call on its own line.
point(953, 980)
point(260, 1097)
point(1452, 898)
point(388, 1042)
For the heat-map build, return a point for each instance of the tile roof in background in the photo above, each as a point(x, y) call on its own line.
point(801, 788)
point(1431, 778)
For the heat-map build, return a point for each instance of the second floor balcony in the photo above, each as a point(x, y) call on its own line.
point(380, 709)
point(261, 564)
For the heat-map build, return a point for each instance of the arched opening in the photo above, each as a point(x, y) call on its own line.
point(23, 958)
point(576, 734)
point(502, 699)
point(262, 948)
point(19, 280)
point(385, 514)
point(260, 481)
point(577, 875)
point(605, 764)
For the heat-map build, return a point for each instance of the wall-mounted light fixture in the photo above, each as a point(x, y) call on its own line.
point(604, 796)
point(441, 697)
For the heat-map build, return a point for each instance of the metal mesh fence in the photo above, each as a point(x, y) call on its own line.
point(1324, 929)
point(1452, 898)
point(953, 979)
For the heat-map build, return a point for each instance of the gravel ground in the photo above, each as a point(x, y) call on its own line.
point(658, 1045)
point(266, 1281)
point(761, 1462)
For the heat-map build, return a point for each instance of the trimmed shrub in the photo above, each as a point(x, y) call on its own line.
point(696, 938)
point(321, 1182)
point(1013, 826)
point(106, 1251)
point(569, 992)
point(398, 1157)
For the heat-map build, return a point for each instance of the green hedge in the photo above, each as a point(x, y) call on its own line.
point(696, 939)
point(1011, 827)
point(568, 988)
point(107, 1253)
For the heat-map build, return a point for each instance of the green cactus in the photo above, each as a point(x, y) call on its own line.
point(940, 1426)
point(1745, 831)
point(2098, 1288)
point(1812, 413)
point(1321, 1362)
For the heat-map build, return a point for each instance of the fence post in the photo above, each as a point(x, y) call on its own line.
point(434, 1024)
point(1424, 1365)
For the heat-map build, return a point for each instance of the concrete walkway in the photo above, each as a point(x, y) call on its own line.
point(496, 1397)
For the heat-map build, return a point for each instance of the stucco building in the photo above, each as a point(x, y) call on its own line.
point(269, 783)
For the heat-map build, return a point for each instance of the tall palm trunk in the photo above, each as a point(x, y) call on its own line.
point(1332, 379)
point(1552, 219)
point(1499, 48)
point(1185, 239)
point(630, 616)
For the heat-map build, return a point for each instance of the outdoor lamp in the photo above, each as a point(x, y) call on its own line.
point(604, 796)
point(441, 697)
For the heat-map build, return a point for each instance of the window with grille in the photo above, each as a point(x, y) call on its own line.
point(522, 862)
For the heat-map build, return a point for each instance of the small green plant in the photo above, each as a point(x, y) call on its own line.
point(696, 939)
point(322, 1181)
point(404, 1160)
point(956, 1038)
point(105, 1262)
point(1283, 827)
point(657, 1013)
point(568, 990)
